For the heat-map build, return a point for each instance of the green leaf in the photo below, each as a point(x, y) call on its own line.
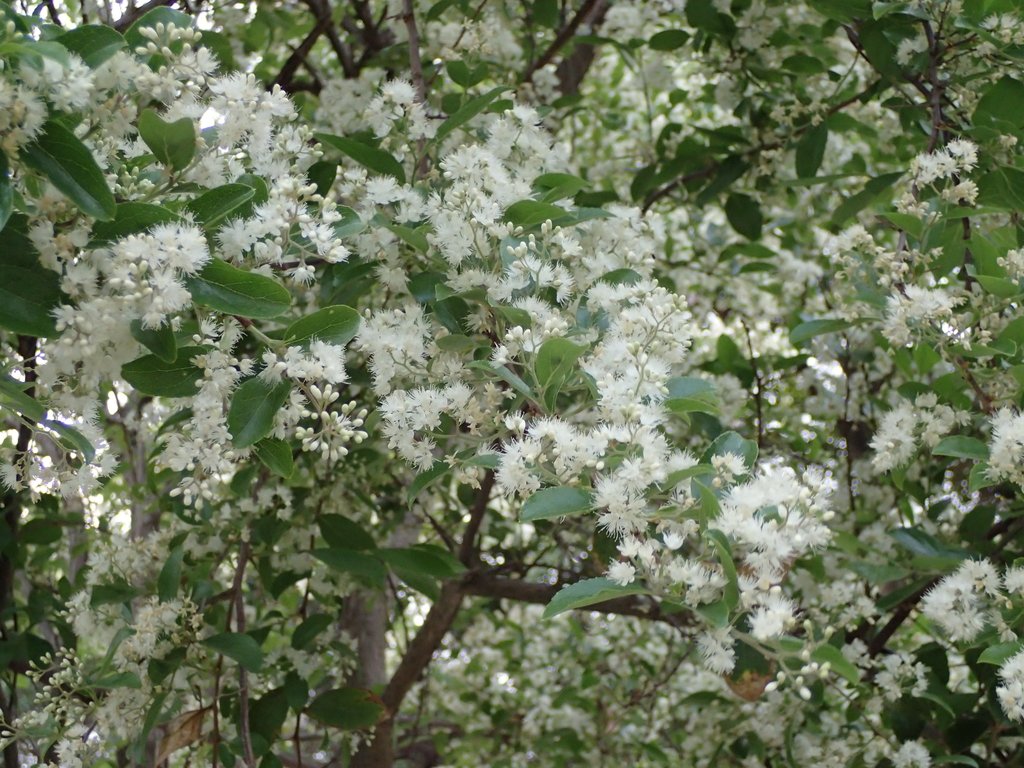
point(812, 328)
point(94, 43)
point(238, 646)
point(999, 286)
point(555, 359)
point(349, 709)
point(1000, 106)
point(1001, 653)
point(276, 455)
point(468, 111)
point(687, 394)
point(13, 396)
point(668, 40)
point(267, 713)
point(336, 325)
point(721, 544)
point(170, 575)
point(6, 191)
point(237, 291)
point(71, 438)
point(161, 15)
point(962, 447)
point(559, 185)
point(69, 165)
point(160, 341)
point(929, 553)
point(307, 631)
point(551, 503)
point(856, 202)
point(979, 477)
point(340, 532)
point(589, 592)
point(118, 680)
point(423, 559)
point(545, 13)
point(212, 207)
point(173, 143)
point(810, 151)
point(253, 407)
point(152, 375)
point(365, 568)
point(372, 158)
point(530, 213)
point(130, 219)
point(744, 215)
point(839, 663)
point(716, 614)
point(28, 291)
point(732, 442)
point(349, 224)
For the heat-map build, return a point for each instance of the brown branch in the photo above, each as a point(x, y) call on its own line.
point(468, 548)
point(243, 675)
point(28, 346)
point(135, 14)
point(565, 34)
point(415, 63)
point(483, 585)
point(285, 78)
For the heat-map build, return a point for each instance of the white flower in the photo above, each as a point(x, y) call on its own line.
point(622, 573)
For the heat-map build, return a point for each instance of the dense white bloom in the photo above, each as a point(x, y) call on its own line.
point(1006, 453)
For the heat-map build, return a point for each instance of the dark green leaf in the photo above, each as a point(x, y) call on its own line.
point(744, 215)
point(28, 291)
point(212, 207)
point(589, 592)
point(423, 559)
point(6, 192)
point(668, 40)
point(152, 375)
point(307, 631)
point(1001, 653)
point(365, 568)
point(374, 159)
point(160, 341)
point(812, 328)
point(342, 533)
point(170, 575)
point(253, 407)
point(555, 502)
point(276, 455)
point(336, 325)
point(94, 43)
point(130, 219)
point(69, 165)
point(962, 447)
point(238, 292)
point(468, 111)
point(238, 646)
point(530, 213)
point(173, 143)
point(346, 708)
point(810, 151)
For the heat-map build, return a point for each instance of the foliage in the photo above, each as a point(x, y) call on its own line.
point(546, 383)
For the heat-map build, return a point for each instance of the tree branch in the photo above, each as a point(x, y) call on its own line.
point(565, 34)
point(483, 585)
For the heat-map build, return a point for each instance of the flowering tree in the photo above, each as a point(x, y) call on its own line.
point(512, 383)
